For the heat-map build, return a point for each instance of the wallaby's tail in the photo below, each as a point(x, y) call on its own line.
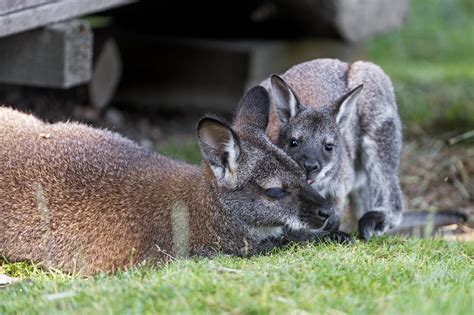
point(422, 219)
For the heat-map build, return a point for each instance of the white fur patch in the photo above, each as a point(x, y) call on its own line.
point(326, 186)
point(292, 105)
point(271, 183)
point(180, 229)
point(377, 182)
point(295, 223)
point(43, 208)
point(360, 179)
point(264, 232)
point(322, 174)
point(227, 174)
point(218, 171)
point(230, 148)
point(347, 109)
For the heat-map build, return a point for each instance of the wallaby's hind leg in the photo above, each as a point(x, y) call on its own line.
point(359, 198)
point(380, 161)
point(380, 147)
point(369, 209)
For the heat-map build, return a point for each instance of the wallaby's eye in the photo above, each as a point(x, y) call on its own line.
point(294, 142)
point(328, 147)
point(276, 193)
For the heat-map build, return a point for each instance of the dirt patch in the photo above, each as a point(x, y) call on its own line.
point(438, 176)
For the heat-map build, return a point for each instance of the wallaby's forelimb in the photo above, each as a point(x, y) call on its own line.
point(303, 236)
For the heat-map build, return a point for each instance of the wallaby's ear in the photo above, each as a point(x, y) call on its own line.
point(285, 100)
point(347, 106)
point(253, 110)
point(219, 147)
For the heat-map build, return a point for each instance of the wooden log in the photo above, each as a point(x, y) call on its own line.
point(97, 93)
point(59, 55)
point(51, 12)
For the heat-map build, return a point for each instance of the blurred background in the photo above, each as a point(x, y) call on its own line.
point(151, 69)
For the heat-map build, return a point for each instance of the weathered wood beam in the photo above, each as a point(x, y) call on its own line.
point(7, 6)
point(59, 55)
point(51, 12)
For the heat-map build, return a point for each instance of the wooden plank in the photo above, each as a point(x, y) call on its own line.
point(42, 15)
point(59, 55)
point(8, 6)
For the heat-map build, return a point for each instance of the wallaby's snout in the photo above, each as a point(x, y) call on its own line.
point(316, 211)
point(311, 163)
point(311, 159)
point(324, 213)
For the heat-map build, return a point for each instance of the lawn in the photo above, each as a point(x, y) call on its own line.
point(389, 276)
point(431, 62)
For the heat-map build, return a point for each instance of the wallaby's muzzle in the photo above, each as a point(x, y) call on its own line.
point(316, 211)
point(309, 159)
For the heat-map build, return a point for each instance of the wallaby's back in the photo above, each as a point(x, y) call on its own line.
point(65, 177)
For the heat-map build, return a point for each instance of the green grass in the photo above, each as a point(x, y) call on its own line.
point(389, 276)
point(187, 150)
point(431, 62)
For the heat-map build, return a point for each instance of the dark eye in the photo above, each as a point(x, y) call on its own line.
point(328, 147)
point(276, 193)
point(294, 142)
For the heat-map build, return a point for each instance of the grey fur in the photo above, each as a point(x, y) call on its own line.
point(364, 162)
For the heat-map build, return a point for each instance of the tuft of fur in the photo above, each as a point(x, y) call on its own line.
point(86, 200)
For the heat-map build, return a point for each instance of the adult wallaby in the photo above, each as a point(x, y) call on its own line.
point(340, 122)
point(83, 199)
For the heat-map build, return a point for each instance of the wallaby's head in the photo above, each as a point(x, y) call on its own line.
point(252, 177)
point(312, 136)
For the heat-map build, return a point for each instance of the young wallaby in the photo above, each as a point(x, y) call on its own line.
point(340, 122)
point(83, 199)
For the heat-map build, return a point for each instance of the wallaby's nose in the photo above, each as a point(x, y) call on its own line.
point(311, 166)
point(324, 213)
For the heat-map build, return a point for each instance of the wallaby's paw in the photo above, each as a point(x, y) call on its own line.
point(339, 237)
point(372, 222)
